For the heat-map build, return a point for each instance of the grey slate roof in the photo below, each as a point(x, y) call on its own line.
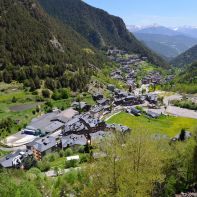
point(152, 114)
point(43, 121)
point(7, 161)
point(45, 143)
point(119, 128)
point(65, 115)
point(81, 105)
point(99, 135)
point(73, 139)
point(53, 126)
point(74, 125)
point(97, 109)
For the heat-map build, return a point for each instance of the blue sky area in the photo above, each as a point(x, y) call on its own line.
point(146, 12)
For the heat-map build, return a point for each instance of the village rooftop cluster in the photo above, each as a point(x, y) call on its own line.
point(83, 124)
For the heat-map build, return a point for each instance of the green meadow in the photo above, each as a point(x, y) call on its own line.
point(168, 125)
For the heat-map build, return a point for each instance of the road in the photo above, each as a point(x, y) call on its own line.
point(13, 149)
point(177, 111)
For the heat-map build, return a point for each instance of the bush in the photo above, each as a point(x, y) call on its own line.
point(68, 152)
point(61, 94)
point(72, 164)
point(61, 153)
point(46, 93)
point(187, 104)
point(43, 166)
point(81, 149)
point(39, 98)
point(83, 158)
point(14, 99)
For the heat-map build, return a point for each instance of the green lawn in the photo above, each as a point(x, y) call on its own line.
point(166, 125)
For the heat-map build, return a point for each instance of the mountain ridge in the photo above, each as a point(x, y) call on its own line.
point(98, 27)
point(35, 46)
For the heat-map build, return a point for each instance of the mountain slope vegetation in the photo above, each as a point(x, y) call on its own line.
point(36, 46)
point(97, 26)
point(185, 58)
point(188, 75)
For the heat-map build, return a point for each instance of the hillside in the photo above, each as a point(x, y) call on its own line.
point(185, 58)
point(97, 26)
point(30, 40)
point(165, 45)
point(189, 75)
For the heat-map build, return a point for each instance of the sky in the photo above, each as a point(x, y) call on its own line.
point(170, 13)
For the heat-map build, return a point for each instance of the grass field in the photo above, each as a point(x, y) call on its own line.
point(165, 125)
point(59, 163)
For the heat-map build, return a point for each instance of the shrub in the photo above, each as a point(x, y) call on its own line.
point(61, 153)
point(83, 158)
point(43, 166)
point(72, 164)
point(81, 149)
point(14, 99)
point(46, 93)
point(68, 152)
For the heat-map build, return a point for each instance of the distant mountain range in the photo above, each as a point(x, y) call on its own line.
point(167, 42)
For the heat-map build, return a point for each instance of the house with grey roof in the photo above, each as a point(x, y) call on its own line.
point(103, 102)
point(43, 146)
point(65, 115)
point(97, 96)
point(73, 140)
point(15, 160)
point(117, 127)
point(81, 106)
point(99, 135)
point(97, 111)
point(152, 114)
point(44, 124)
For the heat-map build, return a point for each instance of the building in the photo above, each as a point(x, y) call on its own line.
point(50, 122)
point(15, 160)
point(103, 102)
point(73, 140)
point(97, 97)
point(75, 126)
point(99, 135)
point(43, 146)
point(65, 115)
point(111, 87)
point(83, 125)
point(152, 114)
point(134, 111)
point(119, 128)
point(93, 124)
point(81, 106)
point(44, 124)
point(97, 111)
point(152, 98)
